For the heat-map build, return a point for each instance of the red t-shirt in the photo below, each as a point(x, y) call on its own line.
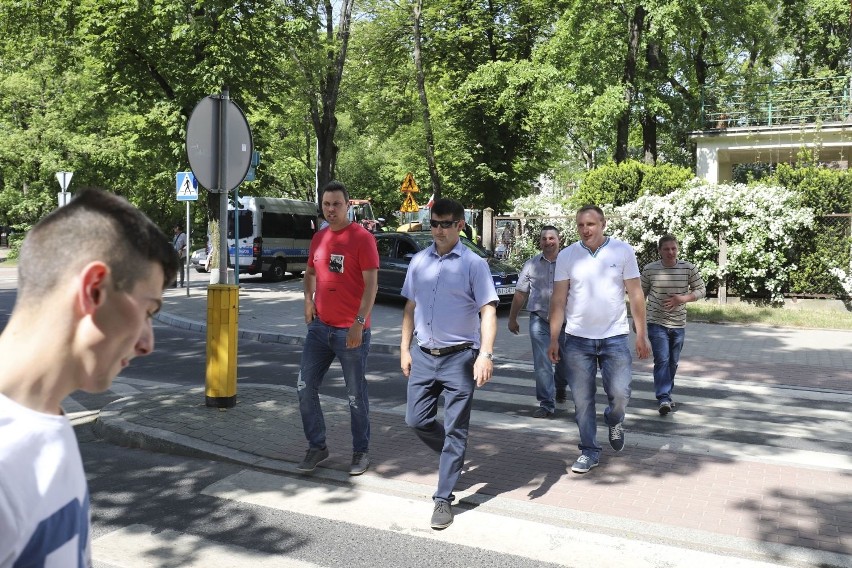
point(338, 257)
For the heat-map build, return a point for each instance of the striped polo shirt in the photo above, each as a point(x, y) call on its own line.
point(659, 282)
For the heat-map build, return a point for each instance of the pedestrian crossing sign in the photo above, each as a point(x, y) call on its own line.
point(187, 186)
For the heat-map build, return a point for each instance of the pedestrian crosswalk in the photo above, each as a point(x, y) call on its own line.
point(736, 420)
point(740, 422)
point(493, 527)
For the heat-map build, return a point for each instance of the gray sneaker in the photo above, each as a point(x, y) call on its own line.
point(583, 464)
point(665, 407)
point(312, 458)
point(360, 463)
point(542, 412)
point(616, 437)
point(442, 516)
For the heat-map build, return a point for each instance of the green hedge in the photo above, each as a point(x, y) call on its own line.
point(618, 184)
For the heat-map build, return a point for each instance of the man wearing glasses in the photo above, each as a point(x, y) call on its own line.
point(452, 313)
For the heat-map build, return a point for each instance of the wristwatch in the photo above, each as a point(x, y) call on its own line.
point(487, 355)
point(361, 319)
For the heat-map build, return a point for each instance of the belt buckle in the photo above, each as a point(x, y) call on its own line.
point(435, 352)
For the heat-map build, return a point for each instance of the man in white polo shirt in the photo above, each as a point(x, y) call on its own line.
point(592, 276)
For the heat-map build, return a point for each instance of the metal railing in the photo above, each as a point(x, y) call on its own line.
point(780, 103)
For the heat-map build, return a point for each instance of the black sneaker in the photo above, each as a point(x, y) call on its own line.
point(542, 412)
point(665, 407)
point(360, 463)
point(616, 437)
point(561, 395)
point(312, 458)
point(442, 516)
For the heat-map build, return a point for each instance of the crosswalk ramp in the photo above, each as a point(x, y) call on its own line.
point(497, 528)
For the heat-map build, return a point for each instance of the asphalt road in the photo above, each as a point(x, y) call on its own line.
point(136, 490)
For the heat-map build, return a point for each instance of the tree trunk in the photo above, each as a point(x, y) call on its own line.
point(323, 114)
point(649, 138)
point(427, 119)
point(628, 82)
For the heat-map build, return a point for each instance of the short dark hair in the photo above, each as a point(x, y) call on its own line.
point(666, 239)
point(446, 206)
point(548, 228)
point(334, 185)
point(587, 208)
point(95, 225)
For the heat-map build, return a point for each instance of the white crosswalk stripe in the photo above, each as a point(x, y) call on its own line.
point(715, 410)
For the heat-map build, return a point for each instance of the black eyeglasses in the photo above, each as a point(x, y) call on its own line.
point(443, 224)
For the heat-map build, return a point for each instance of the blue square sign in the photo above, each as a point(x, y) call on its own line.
point(186, 186)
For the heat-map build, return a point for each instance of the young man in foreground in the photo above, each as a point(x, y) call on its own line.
point(80, 317)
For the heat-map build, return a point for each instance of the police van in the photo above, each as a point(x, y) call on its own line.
point(274, 235)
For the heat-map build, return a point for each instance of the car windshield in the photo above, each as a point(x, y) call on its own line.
point(423, 240)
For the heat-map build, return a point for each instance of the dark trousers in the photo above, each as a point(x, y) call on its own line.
point(431, 376)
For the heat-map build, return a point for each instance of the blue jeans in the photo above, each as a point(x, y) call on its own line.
point(322, 344)
point(547, 380)
point(584, 356)
point(666, 342)
point(431, 376)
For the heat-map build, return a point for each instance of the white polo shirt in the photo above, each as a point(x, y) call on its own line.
point(596, 295)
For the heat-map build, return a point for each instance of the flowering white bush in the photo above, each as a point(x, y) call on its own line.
point(759, 224)
point(844, 278)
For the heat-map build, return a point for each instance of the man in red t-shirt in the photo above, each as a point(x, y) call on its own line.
point(340, 289)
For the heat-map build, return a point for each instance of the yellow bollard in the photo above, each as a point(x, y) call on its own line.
point(222, 310)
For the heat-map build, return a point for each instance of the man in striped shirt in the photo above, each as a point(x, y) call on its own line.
point(668, 284)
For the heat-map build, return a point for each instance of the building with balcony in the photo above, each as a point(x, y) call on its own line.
point(771, 123)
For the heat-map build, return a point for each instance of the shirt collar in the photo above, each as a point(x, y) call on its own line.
point(456, 250)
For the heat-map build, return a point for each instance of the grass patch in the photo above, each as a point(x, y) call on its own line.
point(764, 315)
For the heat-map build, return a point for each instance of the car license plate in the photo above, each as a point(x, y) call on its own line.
point(505, 290)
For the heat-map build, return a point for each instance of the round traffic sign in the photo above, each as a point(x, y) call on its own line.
point(202, 144)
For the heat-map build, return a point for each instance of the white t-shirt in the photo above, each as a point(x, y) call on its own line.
point(596, 294)
point(44, 499)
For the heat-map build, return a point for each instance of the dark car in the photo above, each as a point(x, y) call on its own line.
point(397, 249)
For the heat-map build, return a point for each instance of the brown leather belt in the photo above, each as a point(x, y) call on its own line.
point(440, 352)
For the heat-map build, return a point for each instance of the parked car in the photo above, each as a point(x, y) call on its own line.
point(397, 249)
point(198, 260)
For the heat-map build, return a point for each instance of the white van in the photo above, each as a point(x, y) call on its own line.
point(275, 235)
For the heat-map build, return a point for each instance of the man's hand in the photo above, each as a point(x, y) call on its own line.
point(483, 368)
point(405, 362)
point(643, 346)
point(674, 301)
point(513, 325)
point(553, 350)
point(354, 337)
point(310, 311)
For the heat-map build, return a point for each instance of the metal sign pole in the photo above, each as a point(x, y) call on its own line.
point(237, 235)
point(188, 248)
point(220, 185)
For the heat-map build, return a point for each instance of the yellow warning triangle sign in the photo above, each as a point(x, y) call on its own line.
point(409, 185)
point(409, 205)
